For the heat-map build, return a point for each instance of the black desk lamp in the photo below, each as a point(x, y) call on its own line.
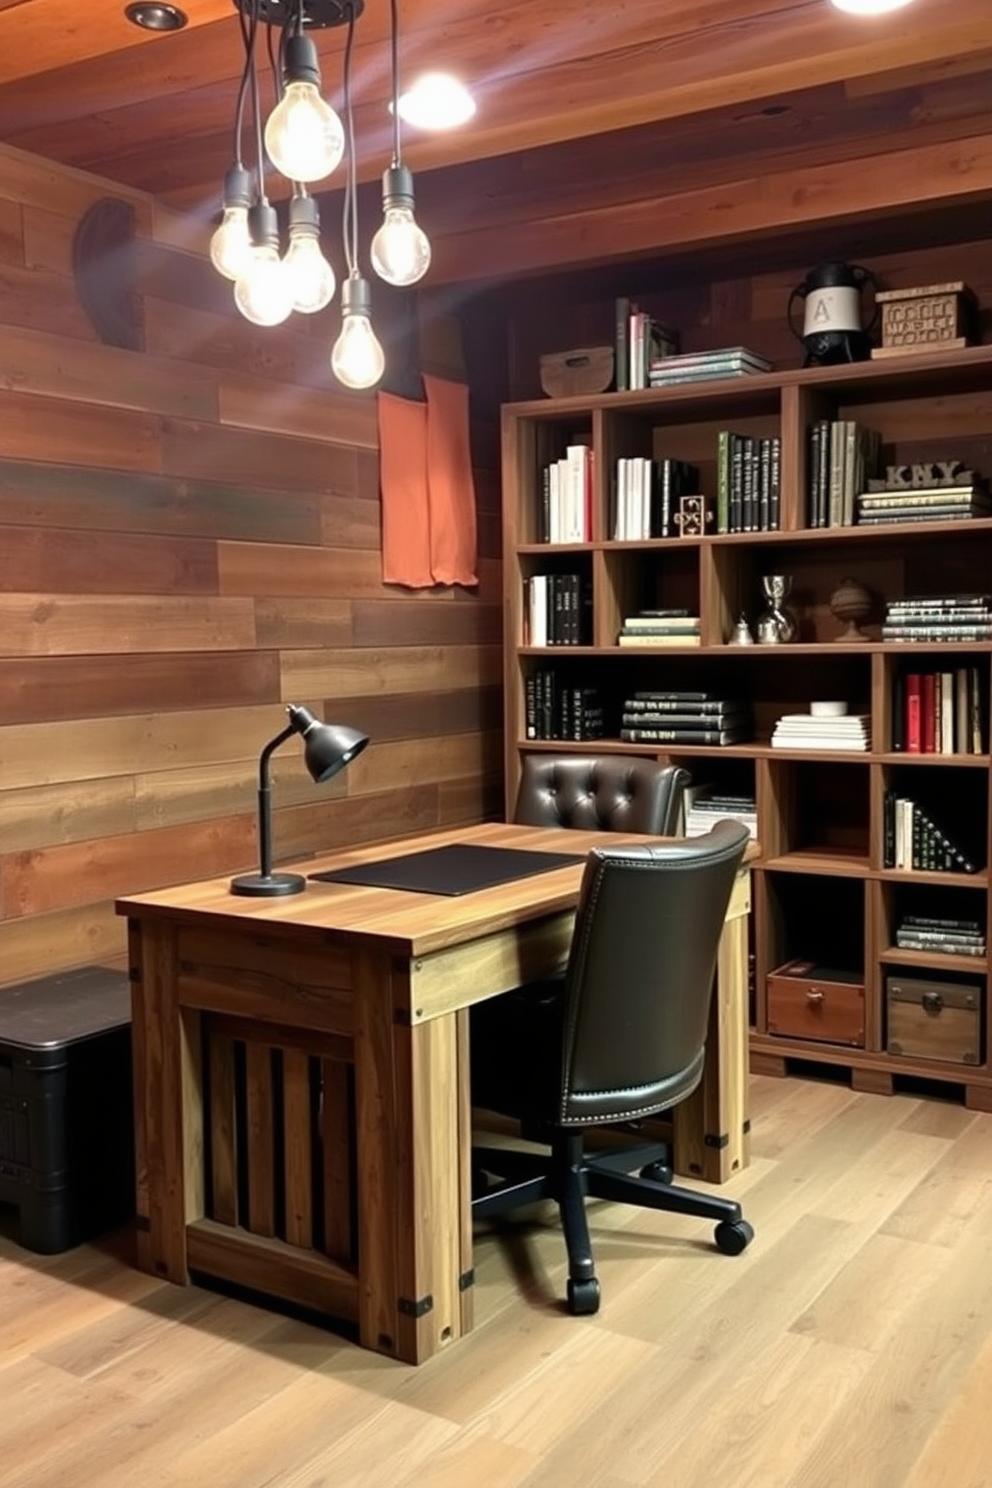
point(328, 748)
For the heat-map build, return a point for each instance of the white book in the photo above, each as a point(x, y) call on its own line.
point(537, 590)
point(946, 716)
point(619, 530)
point(577, 465)
point(554, 501)
point(852, 746)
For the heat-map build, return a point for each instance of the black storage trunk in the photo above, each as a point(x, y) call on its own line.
point(66, 1106)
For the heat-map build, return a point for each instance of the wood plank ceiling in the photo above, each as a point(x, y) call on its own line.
point(589, 114)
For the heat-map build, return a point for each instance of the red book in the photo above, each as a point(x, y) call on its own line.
point(928, 714)
point(914, 726)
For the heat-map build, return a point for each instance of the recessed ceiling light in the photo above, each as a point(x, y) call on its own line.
point(436, 101)
point(155, 15)
point(869, 7)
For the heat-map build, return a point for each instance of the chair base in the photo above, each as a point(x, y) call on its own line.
point(569, 1175)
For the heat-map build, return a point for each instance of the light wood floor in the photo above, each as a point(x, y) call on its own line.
point(850, 1347)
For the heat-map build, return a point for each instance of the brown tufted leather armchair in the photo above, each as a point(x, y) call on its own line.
point(620, 1036)
point(606, 793)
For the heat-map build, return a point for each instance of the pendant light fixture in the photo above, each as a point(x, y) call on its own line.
point(400, 251)
point(357, 358)
point(304, 139)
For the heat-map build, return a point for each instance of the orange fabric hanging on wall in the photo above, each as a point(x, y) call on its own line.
point(450, 484)
point(406, 527)
point(427, 488)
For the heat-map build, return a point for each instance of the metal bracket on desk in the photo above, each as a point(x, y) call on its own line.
point(710, 1139)
point(466, 1280)
point(417, 1309)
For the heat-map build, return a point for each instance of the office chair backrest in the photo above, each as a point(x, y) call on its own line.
point(608, 793)
point(640, 974)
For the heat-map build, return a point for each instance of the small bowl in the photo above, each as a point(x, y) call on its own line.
point(828, 710)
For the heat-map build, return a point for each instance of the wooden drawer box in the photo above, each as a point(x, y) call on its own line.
point(934, 1020)
point(809, 1001)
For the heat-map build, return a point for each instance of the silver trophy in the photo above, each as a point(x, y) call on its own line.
point(776, 625)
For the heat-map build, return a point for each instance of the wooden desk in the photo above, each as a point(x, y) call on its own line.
point(302, 1103)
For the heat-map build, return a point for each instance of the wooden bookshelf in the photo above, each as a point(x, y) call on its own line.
point(821, 889)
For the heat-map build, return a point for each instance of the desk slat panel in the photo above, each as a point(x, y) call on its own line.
point(297, 1147)
point(261, 1139)
point(461, 975)
point(261, 997)
point(223, 1148)
point(337, 1126)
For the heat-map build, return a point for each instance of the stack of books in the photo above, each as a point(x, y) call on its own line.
point(939, 617)
point(951, 937)
point(699, 366)
point(556, 710)
point(748, 482)
point(851, 731)
point(565, 511)
point(705, 806)
point(557, 610)
point(925, 504)
point(645, 496)
point(938, 712)
point(912, 839)
point(660, 628)
point(843, 456)
point(685, 718)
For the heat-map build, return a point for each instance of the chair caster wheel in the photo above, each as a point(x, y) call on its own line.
point(656, 1172)
point(733, 1238)
point(583, 1296)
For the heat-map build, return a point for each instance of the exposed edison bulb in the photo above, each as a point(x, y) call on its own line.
point(311, 276)
point(436, 101)
point(357, 359)
point(399, 251)
point(303, 135)
point(231, 244)
point(263, 292)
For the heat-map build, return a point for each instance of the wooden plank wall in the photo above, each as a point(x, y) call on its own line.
point(189, 540)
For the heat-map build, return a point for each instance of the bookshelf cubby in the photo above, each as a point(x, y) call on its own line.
point(822, 890)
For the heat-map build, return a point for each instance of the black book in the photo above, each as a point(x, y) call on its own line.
point(684, 736)
point(735, 719)
point(685, 704)
point(688, 697)
point(940, 922)
point(899, 713)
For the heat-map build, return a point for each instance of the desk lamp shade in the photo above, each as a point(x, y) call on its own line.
point(327, 748)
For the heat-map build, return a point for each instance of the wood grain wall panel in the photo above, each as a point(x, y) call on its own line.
point(205, 452)
point(363, 672)
point(375, 817)
point(303, 624)
point(42, 495)
point(168, 798)
point(82, 625)
point(61, 561)
point(423, 623)
point(48, 239)
point(38, 428)
point(317, 412)
point(416, 762)
point(40, 362)
point(251, 568)
point(11, 233)
point(35, 182)
point(415, 715)
point(42, 301)
point(352, 522)
point(72, 811)
point(68, 937)
point(49, 688)
point(466, 800)
point(53, 878)
point(218, 339)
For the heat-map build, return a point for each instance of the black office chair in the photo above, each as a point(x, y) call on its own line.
point(620, 1036)
point(605, 793)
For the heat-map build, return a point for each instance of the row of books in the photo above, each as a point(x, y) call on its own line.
point(645, 496)
point(703, 366)
point(843, 454)
point(565, 511)
point(705, 806)
point(912, 839)
point(938, 712)
point(680, 717)
point(557, 610)
point(849, 731)
point(949, 936)
point(555, 710)
point(924, 504)
point(673, 627)
point(748, 482)
point(939, 617)
point(638, 340)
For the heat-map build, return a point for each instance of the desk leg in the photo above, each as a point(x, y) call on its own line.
point(409, 1171)
point(168, 1098)
point(710, 1129)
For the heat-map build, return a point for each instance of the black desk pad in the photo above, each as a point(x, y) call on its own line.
point(456, 869)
